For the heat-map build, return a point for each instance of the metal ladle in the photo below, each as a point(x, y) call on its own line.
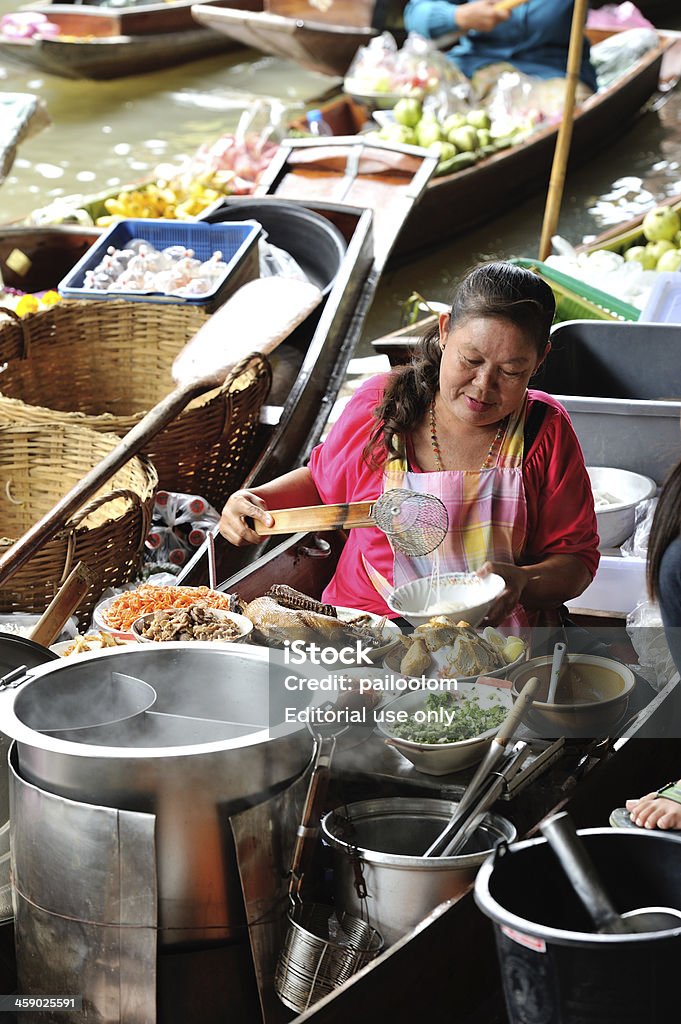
point(562, 837)
point(415, 523)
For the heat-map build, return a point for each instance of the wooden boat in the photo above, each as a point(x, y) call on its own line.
point(34, 259)
point(454, 203)
point(21, 115)
point(106, 42)
point(316, 358)
point(323, 37)
point(453, 948)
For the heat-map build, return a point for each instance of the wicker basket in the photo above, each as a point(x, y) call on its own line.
point(38, 465)
point(104, 364)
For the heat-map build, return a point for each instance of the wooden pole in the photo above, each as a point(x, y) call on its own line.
point(560, 157)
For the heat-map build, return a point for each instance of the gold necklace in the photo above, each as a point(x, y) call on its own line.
point(435, 444)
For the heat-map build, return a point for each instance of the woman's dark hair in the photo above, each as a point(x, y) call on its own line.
point(501, 290)
point(665, 529)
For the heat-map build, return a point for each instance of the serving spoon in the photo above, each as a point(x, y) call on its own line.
point(561, 835)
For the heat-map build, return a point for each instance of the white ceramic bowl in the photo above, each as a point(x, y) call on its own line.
point(616, 522)
point(471, 597)
point(243, 624)
point(443, 758)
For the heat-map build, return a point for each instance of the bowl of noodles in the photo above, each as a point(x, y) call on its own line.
point(458, 595)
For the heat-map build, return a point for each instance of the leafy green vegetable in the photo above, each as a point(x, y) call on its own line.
point(448, 720)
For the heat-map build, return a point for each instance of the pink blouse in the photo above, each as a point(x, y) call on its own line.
point(560, 508)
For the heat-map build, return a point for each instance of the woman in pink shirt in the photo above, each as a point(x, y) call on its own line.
point(459, 423)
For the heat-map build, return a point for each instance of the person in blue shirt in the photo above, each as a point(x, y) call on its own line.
point(532, 38)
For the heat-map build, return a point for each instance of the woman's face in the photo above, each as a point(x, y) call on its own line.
point(486, 365)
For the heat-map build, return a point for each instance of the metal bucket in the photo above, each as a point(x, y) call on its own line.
point(555, 968)
point(386, 838)
point(322, 949)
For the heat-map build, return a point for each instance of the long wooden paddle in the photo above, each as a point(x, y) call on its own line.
point(554, 195)
point(257, 318)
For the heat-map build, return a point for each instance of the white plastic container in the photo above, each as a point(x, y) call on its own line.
point(618, 586)
point(621, 386)
point(664, 302)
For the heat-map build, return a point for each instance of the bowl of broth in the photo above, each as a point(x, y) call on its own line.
point(591, 697)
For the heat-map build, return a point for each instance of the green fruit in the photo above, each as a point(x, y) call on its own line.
point(670, 261)
point(658, 249)
point(639, 254)
point(399, 133)
point(428, 132)
point(408, 112)
point(479, 119)
point(484, 137)
point(453, 121)
point(447, 151)
point(464, 138)
point(662, 223)
point(677, 239)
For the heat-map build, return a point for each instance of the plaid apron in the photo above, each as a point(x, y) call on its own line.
point(486, 508)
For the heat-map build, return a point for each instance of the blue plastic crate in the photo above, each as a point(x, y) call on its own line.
point(237, 241)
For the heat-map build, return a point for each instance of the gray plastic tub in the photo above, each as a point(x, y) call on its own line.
point(621, 385)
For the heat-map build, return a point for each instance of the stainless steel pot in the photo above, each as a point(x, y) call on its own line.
point(386, 838)
point(14, 651)
point(214, 742)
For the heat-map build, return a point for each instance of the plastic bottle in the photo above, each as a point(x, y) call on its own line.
point(316, 124)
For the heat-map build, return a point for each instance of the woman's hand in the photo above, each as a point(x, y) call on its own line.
point(516, 578)
point(243, 505)
point(479, 16)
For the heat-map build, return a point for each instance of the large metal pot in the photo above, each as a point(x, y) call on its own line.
point(386, 839)
point(213, 742)
point(14, 651)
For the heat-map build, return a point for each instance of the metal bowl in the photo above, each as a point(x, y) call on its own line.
point(591, 710)
point(616, 522)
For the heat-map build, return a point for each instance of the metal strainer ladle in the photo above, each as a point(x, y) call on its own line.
point(415, 523)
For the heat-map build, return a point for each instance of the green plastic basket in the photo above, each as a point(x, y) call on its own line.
point(576, 300)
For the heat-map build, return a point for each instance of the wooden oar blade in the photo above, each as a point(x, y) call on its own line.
point(258, 317)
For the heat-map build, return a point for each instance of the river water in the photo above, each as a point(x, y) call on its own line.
point(109, 133)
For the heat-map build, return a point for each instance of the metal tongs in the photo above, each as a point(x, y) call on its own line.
point(477, 790)
point(487, 794)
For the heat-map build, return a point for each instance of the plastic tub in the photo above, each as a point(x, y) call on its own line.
point(551, 959)
point(236, 241)
point(621, 385)
point(314, 242)
point(618, 586)
point(664, 302)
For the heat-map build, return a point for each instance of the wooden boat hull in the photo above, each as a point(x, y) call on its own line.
point(104, 59)
point(34, 259)
point(328, 49)
point(455, 203)
point(103, 43)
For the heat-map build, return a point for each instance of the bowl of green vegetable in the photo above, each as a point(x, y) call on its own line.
point(446, 729)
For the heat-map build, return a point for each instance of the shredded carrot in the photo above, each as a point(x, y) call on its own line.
point(128, 606)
